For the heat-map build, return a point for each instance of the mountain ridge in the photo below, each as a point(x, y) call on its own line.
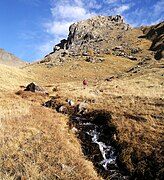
point(10, 59)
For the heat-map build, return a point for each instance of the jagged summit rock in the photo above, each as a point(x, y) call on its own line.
point(10, 59)
point(96, 29)
point(99, 34)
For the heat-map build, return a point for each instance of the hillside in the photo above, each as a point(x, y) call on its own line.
point(11, 77)
point(44, 136)
point(9, 59)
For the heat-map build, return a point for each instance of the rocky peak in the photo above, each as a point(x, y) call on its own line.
point(92, 38)
point(96, 29)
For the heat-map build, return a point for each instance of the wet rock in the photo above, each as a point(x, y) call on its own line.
point(74, 130)
point(63, 109)
point(101, 118)
point(82, 107)
point(70, 102)
point(51, 103)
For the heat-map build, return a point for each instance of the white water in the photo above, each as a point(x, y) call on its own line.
point(107, 151)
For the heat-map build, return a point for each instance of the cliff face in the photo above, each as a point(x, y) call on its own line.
point(9, 59)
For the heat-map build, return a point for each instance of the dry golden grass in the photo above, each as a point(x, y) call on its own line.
point(36, 143)
point(136, 106)
point(12, 77)
point(139, 133)
point(77, 70)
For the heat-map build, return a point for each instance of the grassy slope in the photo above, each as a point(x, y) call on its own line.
point(78, 70)
point(42, 145)
point(12, 77)
point(37, 144)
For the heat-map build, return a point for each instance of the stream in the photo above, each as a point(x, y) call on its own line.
point(96, 143)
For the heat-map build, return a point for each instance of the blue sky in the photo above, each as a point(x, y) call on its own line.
point(30, 28)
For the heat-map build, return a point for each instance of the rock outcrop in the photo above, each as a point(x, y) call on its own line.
point(155, 33)
point(93, 36)
point(93, 33)
point(9, 59)
point(33, 87)
point(99, 35)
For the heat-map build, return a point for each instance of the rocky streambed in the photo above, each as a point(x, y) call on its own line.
point(96, 134)
point(98, 146)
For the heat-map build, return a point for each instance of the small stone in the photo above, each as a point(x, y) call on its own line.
point(63, 109)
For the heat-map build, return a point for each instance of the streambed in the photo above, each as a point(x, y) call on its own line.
point(96, 143)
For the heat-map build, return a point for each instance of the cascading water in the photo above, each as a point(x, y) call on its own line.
point(107, 151)
point(95, 141)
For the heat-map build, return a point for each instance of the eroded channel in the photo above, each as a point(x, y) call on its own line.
point(98, 146)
